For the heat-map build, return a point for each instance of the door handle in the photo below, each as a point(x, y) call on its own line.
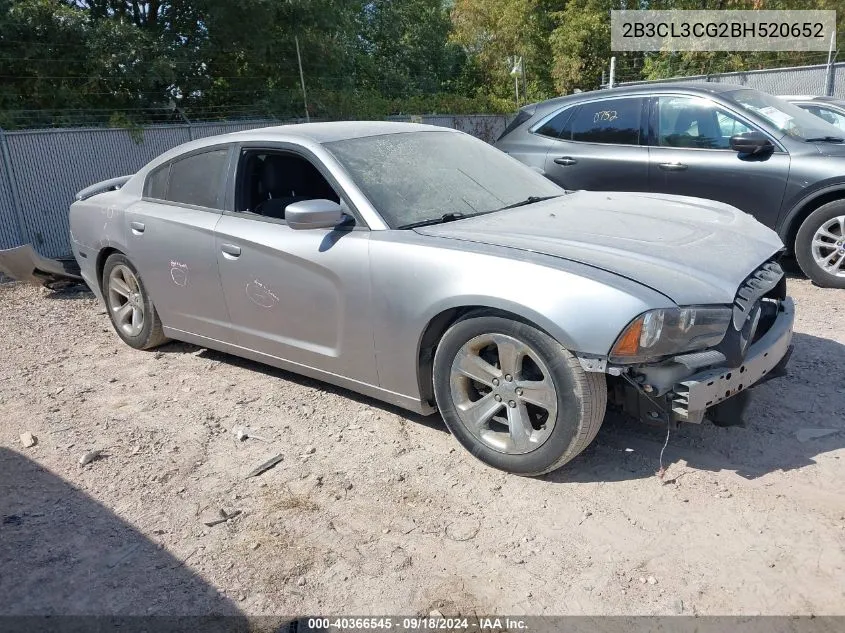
point(672, 166)
point(230, 251)
point(137, 227)
point(565, 160)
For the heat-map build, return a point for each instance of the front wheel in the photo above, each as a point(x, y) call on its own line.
point(820, 245)
point(513, 397)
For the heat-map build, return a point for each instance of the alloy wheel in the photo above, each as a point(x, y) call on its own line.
point(828, 246)
point(125, 300)
point(503, 393)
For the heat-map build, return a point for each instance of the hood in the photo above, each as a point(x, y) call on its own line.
point(694, 251)
point(831, 149)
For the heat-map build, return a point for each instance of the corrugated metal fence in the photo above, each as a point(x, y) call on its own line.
point(41, 170)
point(799, 80)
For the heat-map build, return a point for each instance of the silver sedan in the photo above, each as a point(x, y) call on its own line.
point(424, 268)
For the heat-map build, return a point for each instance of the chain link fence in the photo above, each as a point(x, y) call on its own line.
point(41, 170)
point(816, 79)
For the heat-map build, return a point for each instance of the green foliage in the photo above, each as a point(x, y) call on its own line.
point(131, 62)
point(580, 44)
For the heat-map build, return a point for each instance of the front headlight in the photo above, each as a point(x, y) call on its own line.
point(670, 331)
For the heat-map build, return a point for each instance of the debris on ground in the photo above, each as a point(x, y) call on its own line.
point(264, 467)
point(242, 433)
point(28, 440)
point(807, 434)
point(463, 529)
point(90, 456)
point(224, 516)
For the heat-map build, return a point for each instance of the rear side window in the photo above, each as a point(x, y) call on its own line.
point(614, 121)
point(156, 186)
point(521, 117)
point(557, 126)
point(198, 179)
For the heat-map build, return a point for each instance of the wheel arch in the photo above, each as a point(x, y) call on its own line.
point(102, 256)
point(788, 230)
point(437, 326)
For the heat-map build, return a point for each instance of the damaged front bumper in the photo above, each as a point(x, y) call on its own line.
point(765, 358)
point(717, 392)
point(23, 263)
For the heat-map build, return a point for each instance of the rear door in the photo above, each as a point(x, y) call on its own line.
point(601, 145)
point(691, 156)
point(170, 239)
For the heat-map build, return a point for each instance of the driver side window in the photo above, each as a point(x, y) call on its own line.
point(269, 181)
point(695, 123)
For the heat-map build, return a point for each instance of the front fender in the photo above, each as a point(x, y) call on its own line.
point(795, 207)
point(416, 278)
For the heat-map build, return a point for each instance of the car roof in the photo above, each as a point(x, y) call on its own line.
point(328, 132)
point(299, 133)
point(700, 87)
point(821, 98)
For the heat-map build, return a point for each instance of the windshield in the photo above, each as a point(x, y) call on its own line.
point(789, 119)
point(418, 177)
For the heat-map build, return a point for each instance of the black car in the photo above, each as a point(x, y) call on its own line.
point(744, 147)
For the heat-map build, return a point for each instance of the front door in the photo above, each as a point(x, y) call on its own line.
point(170, 240)
point(602, 147)
point(691, 156)
point(298, 295)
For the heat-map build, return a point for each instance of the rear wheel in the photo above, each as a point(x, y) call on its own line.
point(513, 397)
point(130, 308)
point(820, 245)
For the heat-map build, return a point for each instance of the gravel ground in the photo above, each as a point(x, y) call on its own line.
point(374, 510)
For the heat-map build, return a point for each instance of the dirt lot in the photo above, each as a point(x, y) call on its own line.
point(374, 510)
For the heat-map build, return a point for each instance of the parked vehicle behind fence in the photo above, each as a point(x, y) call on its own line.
point(830, 109)
point(722, 142)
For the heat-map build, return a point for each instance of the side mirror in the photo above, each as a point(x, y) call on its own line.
point(751, 143)
point(313, 214)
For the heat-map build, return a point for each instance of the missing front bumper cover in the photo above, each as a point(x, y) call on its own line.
point(720, 394)
point(700, 392)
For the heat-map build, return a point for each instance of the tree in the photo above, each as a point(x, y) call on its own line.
point(493, 32)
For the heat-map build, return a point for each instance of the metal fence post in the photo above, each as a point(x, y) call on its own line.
point(23, 233)
point(828, 84)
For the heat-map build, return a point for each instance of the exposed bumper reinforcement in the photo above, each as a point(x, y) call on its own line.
point(693, 396)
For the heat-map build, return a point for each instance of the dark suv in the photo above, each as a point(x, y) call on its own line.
point(744, 147)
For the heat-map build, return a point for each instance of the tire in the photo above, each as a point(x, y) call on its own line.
point(122, 287)
point(563, 425)
point(822, 235)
